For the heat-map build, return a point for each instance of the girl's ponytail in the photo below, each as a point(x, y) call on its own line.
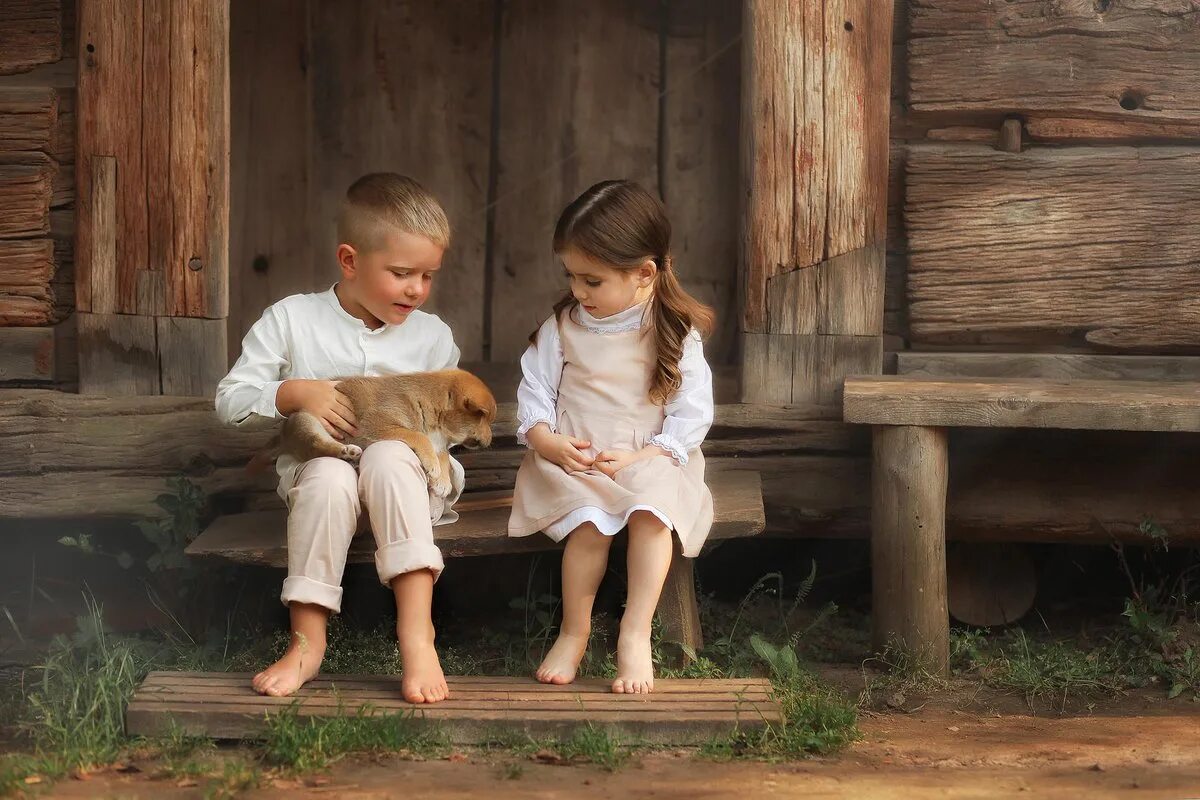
point(673, 315)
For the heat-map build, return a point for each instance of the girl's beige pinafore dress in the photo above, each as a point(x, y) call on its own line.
point(603, 397)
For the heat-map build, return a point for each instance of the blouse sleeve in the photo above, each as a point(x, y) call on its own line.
point(246, 396)
point(541, 369)
point(690, 409)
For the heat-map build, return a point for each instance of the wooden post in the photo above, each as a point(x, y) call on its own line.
point(678, 608)
point(815, 100)
point(908, 544)
point(152, 184)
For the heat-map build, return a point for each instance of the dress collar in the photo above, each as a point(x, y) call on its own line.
point(631, 319)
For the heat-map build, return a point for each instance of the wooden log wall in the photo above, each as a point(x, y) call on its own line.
point(79, 456)
point(506, 111)
point(1068, 247)
point(37, 192)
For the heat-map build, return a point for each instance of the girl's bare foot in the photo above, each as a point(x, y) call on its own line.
point(562, 662)
point(635, 666)
point(299, 665)
point(423, 680)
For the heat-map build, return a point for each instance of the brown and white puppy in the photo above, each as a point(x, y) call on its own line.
point(428, 411)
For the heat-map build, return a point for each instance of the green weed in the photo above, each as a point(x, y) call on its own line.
point(303, 743)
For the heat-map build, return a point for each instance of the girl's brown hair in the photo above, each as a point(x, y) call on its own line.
point(620, 224)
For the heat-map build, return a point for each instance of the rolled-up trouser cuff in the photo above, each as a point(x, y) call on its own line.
point(406, 555)
point(298, 589)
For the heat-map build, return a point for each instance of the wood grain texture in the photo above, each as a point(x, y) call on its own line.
point(82, 456)
point(260, 537)
point(1060, 366)
point(154, 96)
point(271, 241)
point(31, 34)
point(1106, 256)
point(815, 83)
point(680, 711)
point(407, 87)
point(1119, 59)
point(192, 355)
point(679, 609)
point(805, 369)
point(27, 354)
point(26, 189)
point(118, 354)
point(109, 115)
point(699, 157)
point(1024, 403)
point(908, 544)
point(593, 116)
point(1072, 130)
point(26, 270)
point(28, 117)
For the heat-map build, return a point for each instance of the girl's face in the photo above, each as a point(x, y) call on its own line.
point(603, 290)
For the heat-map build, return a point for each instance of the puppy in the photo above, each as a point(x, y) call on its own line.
point(428, 411)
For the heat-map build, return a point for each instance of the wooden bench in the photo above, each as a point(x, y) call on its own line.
point(260, 537)
point(910, 467)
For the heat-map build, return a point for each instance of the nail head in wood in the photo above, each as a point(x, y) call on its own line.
point(195, 265)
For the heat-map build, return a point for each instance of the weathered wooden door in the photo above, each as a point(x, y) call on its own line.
point(152, 180)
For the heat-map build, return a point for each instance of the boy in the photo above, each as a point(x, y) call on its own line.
point(392, 234)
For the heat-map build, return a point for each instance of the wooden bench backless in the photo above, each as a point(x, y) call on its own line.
point(260, 537)
point(909, 472)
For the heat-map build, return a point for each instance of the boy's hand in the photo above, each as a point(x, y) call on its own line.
point(322, 400)
point(559, 449)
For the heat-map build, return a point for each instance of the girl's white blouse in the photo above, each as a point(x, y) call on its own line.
point(689, 412)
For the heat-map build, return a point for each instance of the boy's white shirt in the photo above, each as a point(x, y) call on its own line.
point(689, 412)
point(310, 336)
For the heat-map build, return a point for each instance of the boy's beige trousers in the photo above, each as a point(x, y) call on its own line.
point(325, 503)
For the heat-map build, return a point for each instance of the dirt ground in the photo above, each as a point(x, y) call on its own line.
point(955, 746)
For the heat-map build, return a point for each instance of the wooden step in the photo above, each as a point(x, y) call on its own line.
point(260, 537)
point(679, 712)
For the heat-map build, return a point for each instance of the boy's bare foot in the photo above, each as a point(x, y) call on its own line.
point(562, 662)
point(423, 680)
point(299, 665)
point(635, 666)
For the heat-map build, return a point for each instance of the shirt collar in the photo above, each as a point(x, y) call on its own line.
point(630, 319)
point(331, 297)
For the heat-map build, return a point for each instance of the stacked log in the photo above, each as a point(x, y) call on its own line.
point(37, 191)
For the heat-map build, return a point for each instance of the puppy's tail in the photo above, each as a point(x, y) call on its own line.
point(263, 459)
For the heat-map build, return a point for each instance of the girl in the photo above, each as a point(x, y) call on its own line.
point(614, 402)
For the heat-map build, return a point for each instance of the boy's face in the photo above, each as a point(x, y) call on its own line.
point(389, 282)
point(603, 290)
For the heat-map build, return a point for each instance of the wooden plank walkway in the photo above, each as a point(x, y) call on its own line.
point(222, 705)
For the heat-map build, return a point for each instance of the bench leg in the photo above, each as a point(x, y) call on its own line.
point(677, 606)
point(908, 543)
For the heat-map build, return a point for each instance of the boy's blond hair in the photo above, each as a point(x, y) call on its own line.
point(383, 200)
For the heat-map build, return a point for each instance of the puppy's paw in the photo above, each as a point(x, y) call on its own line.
point(351, 453)
point(440, 485)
